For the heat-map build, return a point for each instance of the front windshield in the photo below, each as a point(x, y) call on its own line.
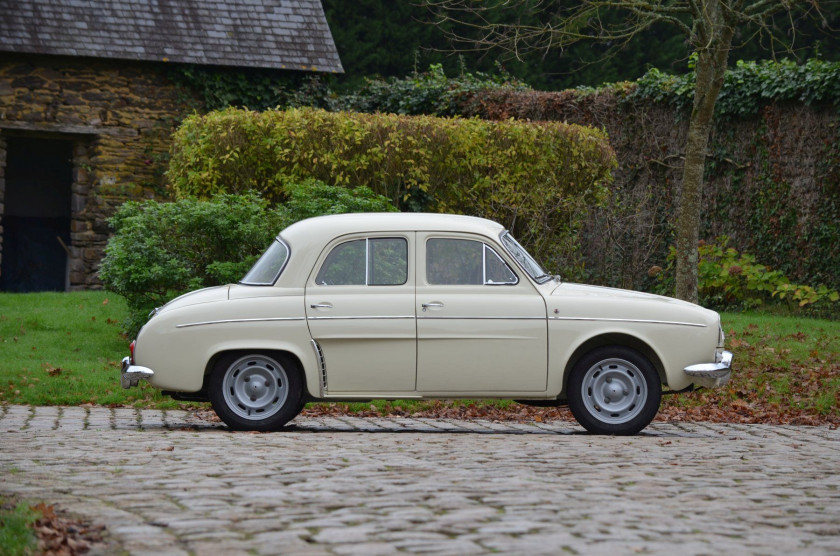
point(525, 260)
point(269, 266)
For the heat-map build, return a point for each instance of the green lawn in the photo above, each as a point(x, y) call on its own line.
point(784, 366)
point(65, 349)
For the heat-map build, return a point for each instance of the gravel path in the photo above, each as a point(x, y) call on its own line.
point(164, 482)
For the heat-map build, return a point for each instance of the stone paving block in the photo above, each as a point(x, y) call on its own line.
point(151, 419)
point(72, 419)
point(44, 418)
point(15, 418)
point(288, 542)
point(387, 424)
point(217, 547)
point(350, 486)
point(364, 549)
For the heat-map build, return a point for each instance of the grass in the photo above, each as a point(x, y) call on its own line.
point(65, 349)
point(16, 521)
point(784, 367)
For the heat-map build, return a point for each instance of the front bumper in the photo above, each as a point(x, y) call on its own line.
point(711, 375)
point(131, 375)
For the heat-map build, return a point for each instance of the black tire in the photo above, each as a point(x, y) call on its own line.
point(614, 390)
point(257, 391)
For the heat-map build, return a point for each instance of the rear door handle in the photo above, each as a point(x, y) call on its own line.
point(435, 304)
point(321, 305)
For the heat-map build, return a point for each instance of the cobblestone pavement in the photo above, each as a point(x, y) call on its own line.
point(164, 482)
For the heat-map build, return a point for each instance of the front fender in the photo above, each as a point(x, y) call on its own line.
point(671, 347)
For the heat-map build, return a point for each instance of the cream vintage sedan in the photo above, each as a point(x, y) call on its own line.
point(419, 306)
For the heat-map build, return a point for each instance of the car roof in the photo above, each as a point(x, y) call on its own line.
point(307, 238)
point(321, 229)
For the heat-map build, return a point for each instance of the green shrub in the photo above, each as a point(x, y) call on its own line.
point(430, 93)
point(749, 86)
point(162, 250)
point(216, 88)
point(728, 279)
point(536, 178)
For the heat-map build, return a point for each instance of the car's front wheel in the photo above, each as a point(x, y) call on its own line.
point(614, 390)
point(255, 391)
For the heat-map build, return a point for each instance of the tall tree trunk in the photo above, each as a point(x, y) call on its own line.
point(712, 44)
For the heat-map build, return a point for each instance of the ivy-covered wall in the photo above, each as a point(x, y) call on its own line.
point(773, 180)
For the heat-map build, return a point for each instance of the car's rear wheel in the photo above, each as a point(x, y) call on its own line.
point(614, 390)
point(255, 391)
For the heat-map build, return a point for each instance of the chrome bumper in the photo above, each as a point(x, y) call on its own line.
point(711, 375)
point(130, 375)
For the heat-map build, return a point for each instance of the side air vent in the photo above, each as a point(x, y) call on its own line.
point(319, 354)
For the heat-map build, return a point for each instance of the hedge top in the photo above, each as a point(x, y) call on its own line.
point(237, 150)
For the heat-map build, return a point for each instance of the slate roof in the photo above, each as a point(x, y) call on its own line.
point(278, 34)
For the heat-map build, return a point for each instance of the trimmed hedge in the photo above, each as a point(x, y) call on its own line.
point(535, 178)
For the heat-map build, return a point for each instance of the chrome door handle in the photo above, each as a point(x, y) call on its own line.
point(321, 305)
point(435, 304)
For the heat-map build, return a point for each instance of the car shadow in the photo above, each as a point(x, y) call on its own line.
point(424, 429)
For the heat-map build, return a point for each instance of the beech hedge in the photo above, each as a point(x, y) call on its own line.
point(535, 178)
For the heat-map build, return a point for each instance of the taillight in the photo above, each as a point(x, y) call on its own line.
point(131, 347)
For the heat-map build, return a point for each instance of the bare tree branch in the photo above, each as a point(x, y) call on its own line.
point(710, 27)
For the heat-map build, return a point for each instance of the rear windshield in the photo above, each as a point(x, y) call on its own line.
point(269, 266)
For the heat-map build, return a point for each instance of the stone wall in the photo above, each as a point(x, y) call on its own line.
point(118, 115)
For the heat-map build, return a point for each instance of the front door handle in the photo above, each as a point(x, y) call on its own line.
point(321, 305)
point(435, 304)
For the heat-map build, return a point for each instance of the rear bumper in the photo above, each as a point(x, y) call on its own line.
point(711, 375)
point(131, 375)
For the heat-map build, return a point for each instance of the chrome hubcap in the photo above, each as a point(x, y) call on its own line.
point(614, 391)
point(255, 387)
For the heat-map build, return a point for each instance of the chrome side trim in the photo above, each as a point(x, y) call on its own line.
point(373, 396)
point(642, 321)
point(227, 321)
point(478, 318)
point(372, 317)
point(322, 365)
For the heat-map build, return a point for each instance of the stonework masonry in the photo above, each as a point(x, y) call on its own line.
point(117, 114)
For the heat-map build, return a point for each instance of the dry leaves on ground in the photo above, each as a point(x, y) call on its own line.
point(62, 535)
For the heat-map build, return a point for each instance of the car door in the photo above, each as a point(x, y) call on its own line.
point(480, 326)
point(360, 311)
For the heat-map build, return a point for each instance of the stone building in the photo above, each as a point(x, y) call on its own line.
point(87, 107)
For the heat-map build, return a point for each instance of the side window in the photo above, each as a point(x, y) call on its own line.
point(496, 270)
point(465, 262)
point(374, 262)
point(387, 262)
point(453, 262)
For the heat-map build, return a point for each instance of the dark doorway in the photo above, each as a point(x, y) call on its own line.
point(36, 220)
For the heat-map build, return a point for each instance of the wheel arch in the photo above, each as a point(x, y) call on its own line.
point(614, 339)
point(291, 355)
